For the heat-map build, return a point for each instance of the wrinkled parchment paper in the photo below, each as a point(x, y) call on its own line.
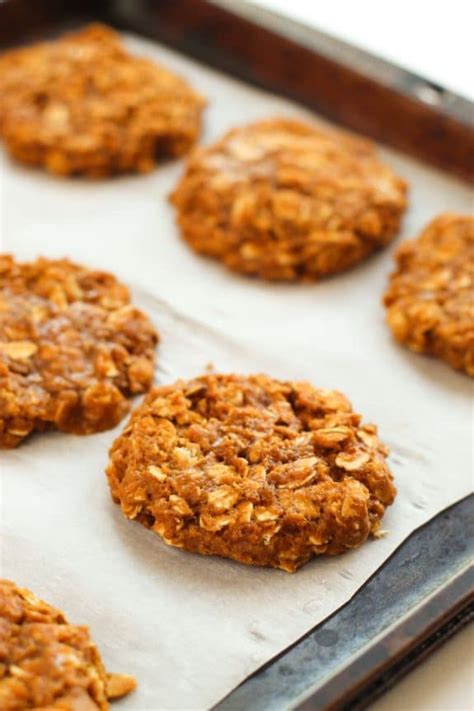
point(191, 628)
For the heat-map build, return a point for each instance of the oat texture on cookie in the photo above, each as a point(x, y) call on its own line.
point(285, 200)
point(430, 296)
point(47, 663)
point(84, 105)
point(72, 348)
point(262, 471)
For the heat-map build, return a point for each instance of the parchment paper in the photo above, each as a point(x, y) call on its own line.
point(191, 628)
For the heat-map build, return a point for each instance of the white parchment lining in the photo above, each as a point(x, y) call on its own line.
point(191, 628)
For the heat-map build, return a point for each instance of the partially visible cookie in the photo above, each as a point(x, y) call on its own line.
point(263, 471)
point(282, 199)
point(72, 348)
point(430, 297)
point(47, 663)
point(84, 105)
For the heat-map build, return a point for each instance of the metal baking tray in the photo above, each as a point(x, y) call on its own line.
point(424, 593)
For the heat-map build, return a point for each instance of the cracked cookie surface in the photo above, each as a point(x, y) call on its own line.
point(430, 297)
point(47, 663)
point(84, 105)
point(247, 467)
point(285, 200)
point(72, 348)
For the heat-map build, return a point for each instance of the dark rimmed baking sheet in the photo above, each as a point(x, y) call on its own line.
point(126, 226)
point(419, 598)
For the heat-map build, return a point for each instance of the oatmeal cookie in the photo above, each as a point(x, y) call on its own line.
point(285, 200)
point(47, 663)
point(430, 297)
point(72, 347)
point(246, 467)
point(83, 105)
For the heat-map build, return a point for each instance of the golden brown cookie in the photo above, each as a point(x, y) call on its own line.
point(281, 199)
point(430, 297)
point(47, 663)
point(72, 347)
point(83, 105)
point(246, 467)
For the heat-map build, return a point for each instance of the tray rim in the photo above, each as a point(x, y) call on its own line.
point(393, 106)
point(381, 70)
point(460, 610)
point(354, 88)
point(419, 628)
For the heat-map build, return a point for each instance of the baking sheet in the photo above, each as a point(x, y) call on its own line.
point(191, 628)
